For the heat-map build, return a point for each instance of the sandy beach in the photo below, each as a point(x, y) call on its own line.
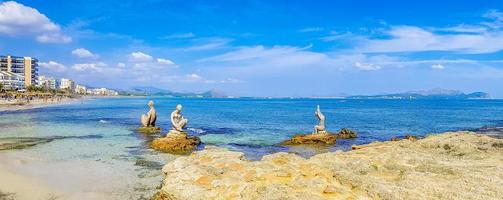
point(37, 103)
point(14, 185)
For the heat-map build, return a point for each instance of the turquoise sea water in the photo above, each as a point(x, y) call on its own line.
point(100, 133)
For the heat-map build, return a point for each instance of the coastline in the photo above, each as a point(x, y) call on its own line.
point(452, 165)
point(379, 170)
point(38, 103)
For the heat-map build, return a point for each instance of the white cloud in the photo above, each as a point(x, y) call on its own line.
point(496, 18)
point(486, 37)
point(140, 57)
point(340, 36)
point(163, 61)
point(53, 38)
point(311, 29)
point(204, 44)
point(231, 80)
point(193, 77)
point(180, 36)
point(91, 67)
point(17, 19)
point(53, 66)
point(83, 53)
point(121, 65)
point(367, 67)
point(437, 66)
point(276, 55)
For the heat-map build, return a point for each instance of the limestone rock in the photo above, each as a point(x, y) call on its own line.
point(176, 143)
point(347, 134)
point(318, 138)
point(459, 165)
point(149, 129)
point(407, 137)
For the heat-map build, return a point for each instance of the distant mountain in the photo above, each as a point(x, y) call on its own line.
point(436, 93)
point(153, 91)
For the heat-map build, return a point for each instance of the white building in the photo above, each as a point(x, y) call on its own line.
point(11, 81)
point(24, 67)
point(80, 89)
point(47, 82)
point(102, 92)
point(67, 84)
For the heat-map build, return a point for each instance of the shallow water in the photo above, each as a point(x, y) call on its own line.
point(95, 147)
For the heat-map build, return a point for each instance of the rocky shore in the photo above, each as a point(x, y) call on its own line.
point(457, 165)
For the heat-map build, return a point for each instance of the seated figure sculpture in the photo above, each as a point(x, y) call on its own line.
point(178, 122)
point(148, 120)
point(320, 128)
point(177, 141)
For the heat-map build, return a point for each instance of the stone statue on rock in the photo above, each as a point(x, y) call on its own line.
point(178, 122)
point(318, 136)
point(177, 141)
point(320, 128)
point(148, 120)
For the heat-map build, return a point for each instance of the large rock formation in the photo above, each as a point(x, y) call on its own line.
point(176, 143)
point(458, 165)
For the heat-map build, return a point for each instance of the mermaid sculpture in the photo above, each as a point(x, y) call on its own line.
point(148, 120)
point(320, 128)
point(178, 122)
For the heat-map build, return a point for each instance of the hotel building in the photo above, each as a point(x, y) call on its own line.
point(26, 68)
point(67, 84)
point(80, 89)
point(10, 81)
point(47, 82)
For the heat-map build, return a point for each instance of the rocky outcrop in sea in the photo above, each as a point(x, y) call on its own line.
point(457, 165)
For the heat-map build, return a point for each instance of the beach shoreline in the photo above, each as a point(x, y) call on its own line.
point(38, 103)
point(190, 175)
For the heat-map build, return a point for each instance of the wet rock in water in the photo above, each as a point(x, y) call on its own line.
point(411, 137)
point(346, 134)
point(176, 143)
point(149, 129)
point(318, 138)
point(406, 137)
point(424, 169)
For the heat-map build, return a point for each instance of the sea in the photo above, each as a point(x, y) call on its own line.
point(91, 148)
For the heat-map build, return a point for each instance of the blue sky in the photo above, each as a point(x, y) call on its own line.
point(263, 48)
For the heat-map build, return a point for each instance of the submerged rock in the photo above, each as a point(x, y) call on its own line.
point(176, 143)
point(406, 137)
point(346, 134)
point(318, 138)
point(458, 165)
point(149, 129)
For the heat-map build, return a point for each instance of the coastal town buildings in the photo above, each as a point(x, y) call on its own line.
point(18, 73)
point(67, 84)
point(80, 89)
point(47, 82)
point(25, 68)
point(11, 81)
point(102, 92)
